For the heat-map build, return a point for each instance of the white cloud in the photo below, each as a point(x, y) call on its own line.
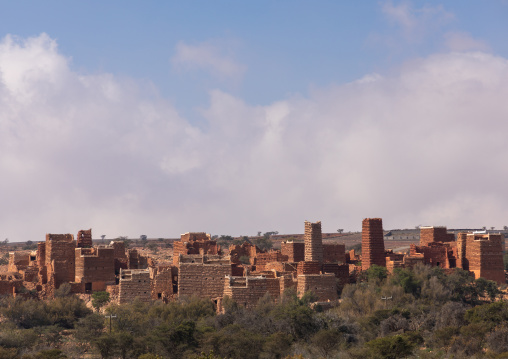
point(213, 57)
point(462, 41)
point(424, 145)
point(415, 22)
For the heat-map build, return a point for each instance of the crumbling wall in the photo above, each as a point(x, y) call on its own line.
point(313, 239)
point(294, 250)
point(246, 291)
point(84, 239)
point(163, 283)
point(95, 265)
point(18, 261)
point(136, 260)
point(134, 283)
point(308, 267)
point(195, 243)
point(60, 258)
point(262, 259)
point(461, 251)
point(244, 250)
point(202, 279)
point(41, 262)
point(435, 254)
point(324, 286)
point(393, 261)
point(10, 283)
point(485, 257)
point(341, 272)
point(373, 247)
point(435, 234)
point(334, 253)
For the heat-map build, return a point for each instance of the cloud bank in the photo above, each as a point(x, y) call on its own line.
point(422, 145)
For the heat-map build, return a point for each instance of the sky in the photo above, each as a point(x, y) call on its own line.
point(232, 117)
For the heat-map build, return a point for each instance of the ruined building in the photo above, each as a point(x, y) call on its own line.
point(373, 245)
point(61, 259)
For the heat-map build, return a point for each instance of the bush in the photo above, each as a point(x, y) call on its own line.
point(100, 299)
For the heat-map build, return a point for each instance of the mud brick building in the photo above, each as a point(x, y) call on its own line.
point(10, 283)
point(134, 284)
point(95, 267)
point(433, 234)
point(59, 259)
point(484, 256)
point(84, 239)
point(195, 243)
point(164, 280)
point(334, 252)
point(294, 250)
point(324, 286)
point(373, 246)
point(202, 276)
point(262, 259)
point(246, 291)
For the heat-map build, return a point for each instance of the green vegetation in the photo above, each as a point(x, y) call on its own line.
point(419, 313)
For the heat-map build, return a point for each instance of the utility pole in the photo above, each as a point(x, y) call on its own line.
point(386, 299)
point(110, 317)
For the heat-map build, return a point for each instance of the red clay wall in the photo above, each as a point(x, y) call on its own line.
point(324, 286)
point(307, 267)
point(334, 253)
point(84, 239)
point(95, 264)
point(202, 280)
point(60, 258)
point(373, 246)
point(294, 250)
point(485, 257)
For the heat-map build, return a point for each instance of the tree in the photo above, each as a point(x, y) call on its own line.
point(376, 273)
point(100, 299)
point(340, 230)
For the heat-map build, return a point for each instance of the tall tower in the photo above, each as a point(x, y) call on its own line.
point(373, 245)
point(313, 242)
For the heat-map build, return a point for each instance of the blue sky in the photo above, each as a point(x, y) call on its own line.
point(233, 117)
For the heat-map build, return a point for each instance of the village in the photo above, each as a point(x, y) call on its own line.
point(244, 273)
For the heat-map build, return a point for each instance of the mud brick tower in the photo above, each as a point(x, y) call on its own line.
point(84, 239)
point(373, 246)
point(313, 242)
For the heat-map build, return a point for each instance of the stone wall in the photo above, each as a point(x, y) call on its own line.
point(485, 257)
point(313, 242)
point(435, 234)
point(195, 243)
point(18, 261)
point(84, 239)
point(134, 283)
point(324, 286)
point(245, 291)
point(60, 258)
point(294, 250)
point(334, 253)
point(95, 264)
point(135, 260)
point(307, 267)
point(436, 254)
point(262, 259)
point(373, 247)
point(9, 283)
point(341, 272)
point(165, 283)
point(202, 279)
